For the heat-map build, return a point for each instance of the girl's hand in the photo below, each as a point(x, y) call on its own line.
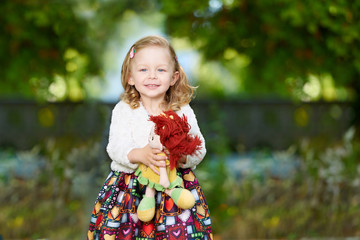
point(147, 156)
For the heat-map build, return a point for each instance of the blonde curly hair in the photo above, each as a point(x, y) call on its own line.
point(177, 95)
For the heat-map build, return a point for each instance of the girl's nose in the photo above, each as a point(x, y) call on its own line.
point(153, 74)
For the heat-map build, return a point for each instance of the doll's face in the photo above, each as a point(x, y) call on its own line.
point(154, 140)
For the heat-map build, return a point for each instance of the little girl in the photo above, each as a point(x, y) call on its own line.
point(154, 82)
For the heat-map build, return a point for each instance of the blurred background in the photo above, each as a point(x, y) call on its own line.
point(278, 103)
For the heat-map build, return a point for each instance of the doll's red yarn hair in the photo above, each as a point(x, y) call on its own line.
point(174, 135)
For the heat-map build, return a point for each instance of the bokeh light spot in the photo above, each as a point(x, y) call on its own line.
point(46, 117)
point(301, 117)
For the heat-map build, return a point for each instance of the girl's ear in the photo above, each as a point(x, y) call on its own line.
point(131, 81)
point(175, 77)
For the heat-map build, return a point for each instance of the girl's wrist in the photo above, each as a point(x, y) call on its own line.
point(131, 157)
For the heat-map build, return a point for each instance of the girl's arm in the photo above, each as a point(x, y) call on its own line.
point(122, 148)
point(120, 135)
point(193, 160)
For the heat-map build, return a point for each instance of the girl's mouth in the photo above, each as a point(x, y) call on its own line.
point(152, 85)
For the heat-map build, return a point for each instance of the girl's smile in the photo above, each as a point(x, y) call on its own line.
point(152, 85)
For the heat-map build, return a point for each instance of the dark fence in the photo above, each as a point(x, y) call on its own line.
point(274, 124)
point(249, 124)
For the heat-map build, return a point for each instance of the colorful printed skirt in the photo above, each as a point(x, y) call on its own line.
point(114, 215)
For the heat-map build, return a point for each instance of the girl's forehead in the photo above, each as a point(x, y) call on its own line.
point(153, 51)
point(152, 55)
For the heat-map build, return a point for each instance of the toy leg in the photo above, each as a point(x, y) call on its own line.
point(183, 198)
point(164, 178)
point(146, 208)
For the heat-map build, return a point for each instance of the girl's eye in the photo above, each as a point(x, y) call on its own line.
point(161, 70)
point(143, 70)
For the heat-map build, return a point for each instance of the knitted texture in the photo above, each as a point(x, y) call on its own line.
point(130, 129)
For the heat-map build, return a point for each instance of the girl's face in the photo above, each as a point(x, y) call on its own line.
point(152, 72)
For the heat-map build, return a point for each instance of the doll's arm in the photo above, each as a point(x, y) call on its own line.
point(193, 160)
point(120, 135)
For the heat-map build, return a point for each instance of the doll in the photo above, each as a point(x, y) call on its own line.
point(171, 135)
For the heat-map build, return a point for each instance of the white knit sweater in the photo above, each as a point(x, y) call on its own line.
point(130, 128)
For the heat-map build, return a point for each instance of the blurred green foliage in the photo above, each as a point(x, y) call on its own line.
point(51, 50)
point(35, 36)
point(320, 199)
point(62, 176)
point(305, 50)
point(47, 191)
point(281, 41)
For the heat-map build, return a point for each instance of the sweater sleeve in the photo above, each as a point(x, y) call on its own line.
point(121, 141)
point(193, 160)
